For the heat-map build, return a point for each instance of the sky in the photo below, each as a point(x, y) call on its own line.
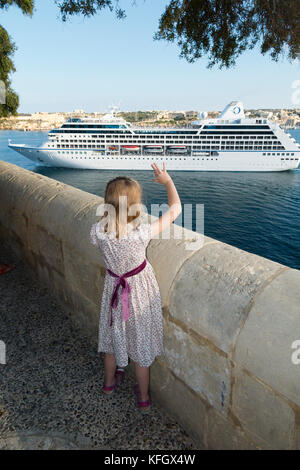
point(94, 63)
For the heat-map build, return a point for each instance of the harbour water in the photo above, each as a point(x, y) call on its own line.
point(257, 212)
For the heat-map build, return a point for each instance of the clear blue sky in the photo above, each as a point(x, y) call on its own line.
point(93, 63)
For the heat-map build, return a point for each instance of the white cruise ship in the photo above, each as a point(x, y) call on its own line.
point(229, 142)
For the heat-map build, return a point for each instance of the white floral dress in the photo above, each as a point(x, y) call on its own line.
point(141, 337)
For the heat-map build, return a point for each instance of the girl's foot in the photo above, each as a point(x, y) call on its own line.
point(144, 405)
point(119, 377)
point(109, 389)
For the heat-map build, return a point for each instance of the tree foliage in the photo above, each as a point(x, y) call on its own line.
point(7, 49)
point(25, 5)
point(88, 7)
point(223, 29)
point(12, 103)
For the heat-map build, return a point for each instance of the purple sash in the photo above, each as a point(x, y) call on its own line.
point(121, 281)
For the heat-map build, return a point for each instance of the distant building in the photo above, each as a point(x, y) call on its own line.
point(163, 115)
point(292, 122)
point(191, 114)
point(173, 115)
point(264, 113)
point(177, 115)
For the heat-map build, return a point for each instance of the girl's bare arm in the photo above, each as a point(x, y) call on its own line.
point(174, 202)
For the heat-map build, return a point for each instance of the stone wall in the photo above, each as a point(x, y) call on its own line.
point(230, 317)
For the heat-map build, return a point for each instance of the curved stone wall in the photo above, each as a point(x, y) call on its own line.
point(230, 317)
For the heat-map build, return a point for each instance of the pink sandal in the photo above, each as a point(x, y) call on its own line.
point(144, 406)
point(4, 268)
point(119, 377)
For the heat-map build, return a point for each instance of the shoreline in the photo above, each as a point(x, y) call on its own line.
point(27, 130)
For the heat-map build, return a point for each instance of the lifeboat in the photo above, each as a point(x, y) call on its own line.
point(113, 148)
point(177, 149)
point(131, 148)
point(154, 149)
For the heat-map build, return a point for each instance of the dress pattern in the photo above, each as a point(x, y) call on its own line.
point(141, 337)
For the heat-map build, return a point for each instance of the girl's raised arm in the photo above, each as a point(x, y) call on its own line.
point(162, 177)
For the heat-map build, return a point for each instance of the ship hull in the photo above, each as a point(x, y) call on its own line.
point(95, 160)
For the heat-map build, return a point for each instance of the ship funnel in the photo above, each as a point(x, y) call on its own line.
point(234, 110)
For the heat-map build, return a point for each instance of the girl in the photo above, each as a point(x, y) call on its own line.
point(131, 327)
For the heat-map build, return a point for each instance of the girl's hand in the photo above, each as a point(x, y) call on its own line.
point(162, 176)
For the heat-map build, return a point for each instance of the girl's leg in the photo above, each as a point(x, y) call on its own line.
point(142, 376)
point(109, 369)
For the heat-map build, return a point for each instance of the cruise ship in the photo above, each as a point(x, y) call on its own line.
point(229, 142)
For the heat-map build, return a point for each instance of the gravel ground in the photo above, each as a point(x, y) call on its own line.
point(50, 386)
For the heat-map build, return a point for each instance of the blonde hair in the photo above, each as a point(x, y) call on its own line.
point(116, 188)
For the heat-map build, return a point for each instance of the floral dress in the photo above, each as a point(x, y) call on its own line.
point(141, 337)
